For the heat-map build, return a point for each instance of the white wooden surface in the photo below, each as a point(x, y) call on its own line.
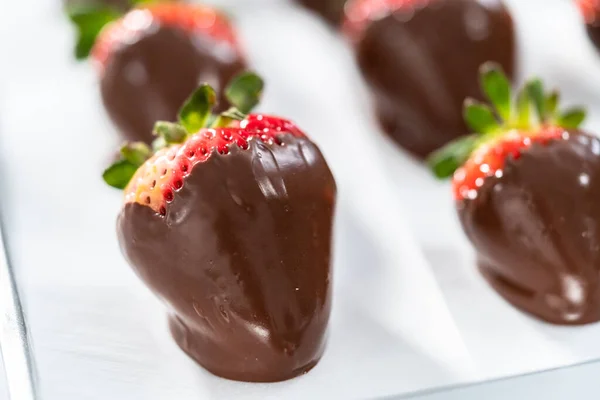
point(3, 389)
point(410, 312)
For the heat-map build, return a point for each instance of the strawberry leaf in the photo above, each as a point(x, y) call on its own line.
point(523, 109)
point(197, 108)
point(170, 132)
point(89, 21)
point(449, 158)
point(535, 90)
point(496, 86)
point(480, 117)
point(119, 174)
point(571, 118)
point(244, 91)
point(136, 153)
point(552, 100)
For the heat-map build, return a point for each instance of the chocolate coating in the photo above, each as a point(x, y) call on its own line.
point(422, 67)
point(536, 230)
point(242, 259)
point(331, 10)
point(150, 79)
point(593, 31)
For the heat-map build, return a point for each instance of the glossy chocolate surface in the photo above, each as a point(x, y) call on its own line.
point(150, 79)
point(536, 230)
point(242, 259)
point(421, 67)
point(331, 10)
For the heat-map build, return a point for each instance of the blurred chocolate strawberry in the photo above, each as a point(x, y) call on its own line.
point(420, 59)
point(151, 59)
point(330, 10)
point(590, 9)
point(230, 223)
point(527, 192)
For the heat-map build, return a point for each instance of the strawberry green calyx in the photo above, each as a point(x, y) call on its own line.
point(507, 113)
point(169, 133)
point(245, 92)
point(449, 158)
point(196, 114)
point(136, 153)
point(496, 87)
point(89, 21)
point(119, 174)
point(196, 111)
point(133, 155)
point(480, 117)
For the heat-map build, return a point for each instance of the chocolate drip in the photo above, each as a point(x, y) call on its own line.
point(150, 79)
point(536, 230)
point(421, 67)
point(242, 259)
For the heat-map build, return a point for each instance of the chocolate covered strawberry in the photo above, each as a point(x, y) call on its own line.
point(590, 9)
point(527, 191)
point(420, 59)
point(153, 57)
point(230, 223)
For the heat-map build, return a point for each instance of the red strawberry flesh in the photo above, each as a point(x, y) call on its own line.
point(157, 181)
point(590, 10)
point(489, 159)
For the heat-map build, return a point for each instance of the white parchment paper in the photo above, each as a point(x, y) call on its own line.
point(410, 311)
